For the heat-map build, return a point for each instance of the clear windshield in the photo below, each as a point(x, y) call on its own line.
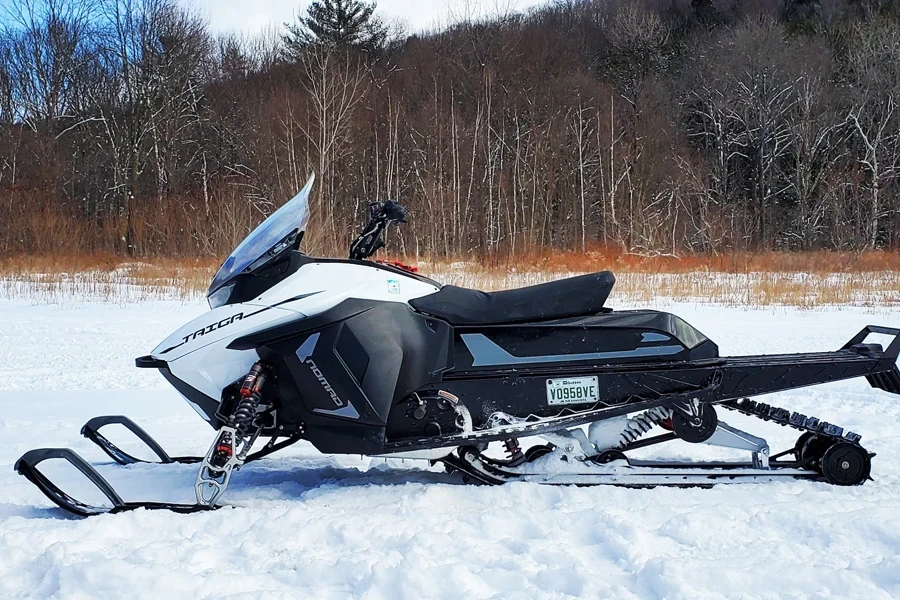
point(267, 239)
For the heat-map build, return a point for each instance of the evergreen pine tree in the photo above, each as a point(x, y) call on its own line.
point(336, 23)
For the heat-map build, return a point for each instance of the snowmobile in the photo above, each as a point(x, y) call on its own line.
point(372, 358)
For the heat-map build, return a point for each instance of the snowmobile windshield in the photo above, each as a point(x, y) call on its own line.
point(270, 238)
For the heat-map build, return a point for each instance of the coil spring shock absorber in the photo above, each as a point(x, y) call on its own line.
point(251, 395)
point(514, 451)
point(612, 436)
point(233, 441)
point(640, 424)
point(244, 414)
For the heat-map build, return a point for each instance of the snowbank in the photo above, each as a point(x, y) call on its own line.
point(303, 525)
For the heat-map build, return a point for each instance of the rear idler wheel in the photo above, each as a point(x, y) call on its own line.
point(536, 452)
point(698, 429)
point(846, 464)
point(608, 456)
point(801, 441)
point(813, 449)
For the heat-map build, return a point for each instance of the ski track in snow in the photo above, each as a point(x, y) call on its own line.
point(304, 525)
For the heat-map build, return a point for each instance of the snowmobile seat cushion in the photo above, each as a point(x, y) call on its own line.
point(572, 297)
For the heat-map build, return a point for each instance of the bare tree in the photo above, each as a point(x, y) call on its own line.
point(876, 59)
point(334, 81)
point(48, 49)
point(653, 126)
point(817, 137)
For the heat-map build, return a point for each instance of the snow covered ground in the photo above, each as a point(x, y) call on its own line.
point(303, 525)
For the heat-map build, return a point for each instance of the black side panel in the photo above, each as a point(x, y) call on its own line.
point(583, 295)
point(352, 353)
point(340, 374)
point(208, 405)
point(615, 338)
point(526, 393)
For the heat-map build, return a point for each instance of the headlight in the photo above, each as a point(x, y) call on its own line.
point(220, 296)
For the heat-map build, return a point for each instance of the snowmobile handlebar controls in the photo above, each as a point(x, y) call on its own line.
point(381, 215)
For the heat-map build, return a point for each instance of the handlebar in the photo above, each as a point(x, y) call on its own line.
point(381, 215)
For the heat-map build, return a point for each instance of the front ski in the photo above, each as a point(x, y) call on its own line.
point(28, 466)
point(91, 430)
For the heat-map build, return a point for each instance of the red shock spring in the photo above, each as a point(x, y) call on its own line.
point(247, 388)
point(512, 448)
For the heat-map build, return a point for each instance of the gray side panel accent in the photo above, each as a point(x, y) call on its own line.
point(488, 354)
point(654, 337)
point(305, 351)
point(308, 347)
point(348, 411)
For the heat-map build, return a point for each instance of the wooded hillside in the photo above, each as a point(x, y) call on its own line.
point(657, 126)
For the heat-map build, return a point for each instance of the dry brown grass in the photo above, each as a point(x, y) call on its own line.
point(802, 279)
point(802, 290)
point(103, 278)
point(605, 258)
point(805, 280)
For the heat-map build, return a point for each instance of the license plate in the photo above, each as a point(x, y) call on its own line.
point(572, 390)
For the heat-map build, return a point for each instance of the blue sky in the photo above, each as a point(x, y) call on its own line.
point(253, 15)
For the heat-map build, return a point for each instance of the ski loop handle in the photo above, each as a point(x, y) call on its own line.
point(91, 431)
point(27, 466)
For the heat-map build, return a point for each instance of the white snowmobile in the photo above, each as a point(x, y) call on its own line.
point(367, 358)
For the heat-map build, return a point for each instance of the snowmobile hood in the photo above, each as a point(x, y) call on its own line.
point(217, 325)
point(280, 231)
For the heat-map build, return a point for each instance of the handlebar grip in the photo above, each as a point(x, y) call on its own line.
point(388, 211)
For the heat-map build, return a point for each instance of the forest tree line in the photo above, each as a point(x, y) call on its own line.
point(653, 126)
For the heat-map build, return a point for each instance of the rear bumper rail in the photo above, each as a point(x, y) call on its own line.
point(885, 374)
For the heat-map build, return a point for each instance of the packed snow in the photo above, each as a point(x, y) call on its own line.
point(304, 525)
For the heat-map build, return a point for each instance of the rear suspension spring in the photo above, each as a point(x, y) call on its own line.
point(640, 424)
point(512, 448)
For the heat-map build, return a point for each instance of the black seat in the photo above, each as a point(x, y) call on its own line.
point(573, 297)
